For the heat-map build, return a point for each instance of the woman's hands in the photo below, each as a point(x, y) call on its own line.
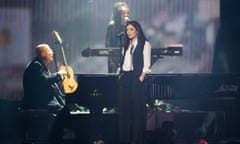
point(142, 76)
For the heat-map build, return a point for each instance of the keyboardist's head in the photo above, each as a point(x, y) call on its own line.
point(120, 13)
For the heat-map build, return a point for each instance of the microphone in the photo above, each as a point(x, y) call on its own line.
point(120, 34)
point(126, 19)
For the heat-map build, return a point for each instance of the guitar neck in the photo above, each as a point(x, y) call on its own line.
point(64, 56)
point(59, 40)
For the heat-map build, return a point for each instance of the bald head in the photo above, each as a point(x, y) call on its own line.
point(44, 52)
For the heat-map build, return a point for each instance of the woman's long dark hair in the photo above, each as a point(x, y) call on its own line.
point(141, 36)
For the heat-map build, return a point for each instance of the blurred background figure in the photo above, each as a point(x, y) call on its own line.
point(115, 31)
point(98, 142)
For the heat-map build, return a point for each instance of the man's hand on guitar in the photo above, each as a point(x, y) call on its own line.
point(62, 73)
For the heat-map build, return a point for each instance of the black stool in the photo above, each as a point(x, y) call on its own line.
point(35, 125)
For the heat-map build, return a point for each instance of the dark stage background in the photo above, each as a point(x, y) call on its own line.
point(82, 24)
point(208, 29)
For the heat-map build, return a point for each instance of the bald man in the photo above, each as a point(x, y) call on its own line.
point(40, 89)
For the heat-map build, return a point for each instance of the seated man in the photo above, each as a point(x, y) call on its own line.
point(42, 96)
point(40, 85)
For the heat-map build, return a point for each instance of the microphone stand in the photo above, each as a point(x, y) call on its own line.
point(120, 51)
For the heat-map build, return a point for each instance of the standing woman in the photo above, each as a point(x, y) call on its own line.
point(136, 63)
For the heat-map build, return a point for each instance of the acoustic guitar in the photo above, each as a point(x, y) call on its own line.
point(69, 84)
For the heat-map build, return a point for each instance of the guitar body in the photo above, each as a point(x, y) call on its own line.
point(69, 83)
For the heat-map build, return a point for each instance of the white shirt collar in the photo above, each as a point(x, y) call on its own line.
point(134, 42)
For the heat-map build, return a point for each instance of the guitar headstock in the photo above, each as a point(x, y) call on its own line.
point(57, 36)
